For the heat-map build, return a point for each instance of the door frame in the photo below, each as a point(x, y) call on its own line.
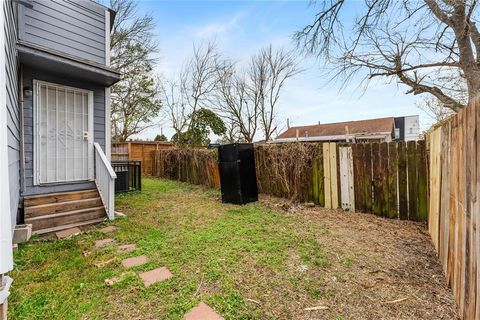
point(36, 133)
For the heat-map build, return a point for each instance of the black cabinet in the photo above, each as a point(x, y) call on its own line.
point(238, 179)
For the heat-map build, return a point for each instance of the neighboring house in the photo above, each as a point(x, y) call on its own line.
point(370, 130)
point(55, 116)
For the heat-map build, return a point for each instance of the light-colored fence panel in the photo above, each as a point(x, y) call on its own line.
point(454, 213)
point(330, 175)
point(435, 185)
point(139, 151)
point(346, 178)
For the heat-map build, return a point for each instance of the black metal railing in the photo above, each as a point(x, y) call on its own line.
point(129, 175)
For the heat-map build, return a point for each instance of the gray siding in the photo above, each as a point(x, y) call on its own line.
point(76, 28)
point(29, 75)
point(13, 116)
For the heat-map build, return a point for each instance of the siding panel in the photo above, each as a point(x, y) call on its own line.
point(75, 28)
point(13, 118)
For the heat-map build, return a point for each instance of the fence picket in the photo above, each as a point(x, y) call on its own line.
point(368, 178)
point(392, 180)
point(412, 180)
point(346, 178)
point(384, 191)
point(377, 179)
point(334, 174)
point(402, 181)
point(422, 202)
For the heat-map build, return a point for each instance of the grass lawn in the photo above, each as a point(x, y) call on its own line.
point(267, 260)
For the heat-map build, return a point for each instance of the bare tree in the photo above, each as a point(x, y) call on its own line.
point(434, 108)
point(269, 70)
point(248, 99)
point(190, 102)
point(413, 42)
point(135, 100)
point(234, 104)
point(175, 106)
point(200, 76)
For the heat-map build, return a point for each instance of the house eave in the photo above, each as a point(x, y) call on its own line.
point(65, 65)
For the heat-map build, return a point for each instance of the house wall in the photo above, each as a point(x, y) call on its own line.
point(412, 128)
point(9, 142)
point(30, 74)
point(76, 28)
point(13, 114)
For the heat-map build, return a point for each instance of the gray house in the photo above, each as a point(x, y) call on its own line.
point(54, 117)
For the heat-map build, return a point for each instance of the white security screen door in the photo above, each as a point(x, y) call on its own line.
point(63, 121)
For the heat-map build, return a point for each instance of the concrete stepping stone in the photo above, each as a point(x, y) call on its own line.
point(104, 243)
point(108, 229)
point(126, 248)
point(155, 275)
point(135, 261)
point(68, 233)
point(202, 312)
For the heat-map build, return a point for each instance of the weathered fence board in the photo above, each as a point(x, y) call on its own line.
point(346, 178)
point(368, 175)
point(392, 188)
point(402, 181)
point(454, 212)
point(412, 179)
point(422, 181)
point(435, 187)
point(392, 181)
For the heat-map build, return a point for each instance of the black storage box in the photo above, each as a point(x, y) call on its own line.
point(238, 178)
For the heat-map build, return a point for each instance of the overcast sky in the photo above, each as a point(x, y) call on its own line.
point(241, 29)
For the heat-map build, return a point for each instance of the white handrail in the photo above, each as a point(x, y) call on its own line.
point(105, 180)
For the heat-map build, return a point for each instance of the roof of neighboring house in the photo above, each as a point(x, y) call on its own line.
point(369, 126)
point(167, 143)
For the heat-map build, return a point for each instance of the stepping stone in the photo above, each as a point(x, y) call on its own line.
point(126, 248)
point(108, 229)
point(135, 261)
point(155, 275)
point(202, 312)
point(68, 233)
point(104, 243)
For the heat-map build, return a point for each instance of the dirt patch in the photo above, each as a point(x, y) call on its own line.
point(382, 268)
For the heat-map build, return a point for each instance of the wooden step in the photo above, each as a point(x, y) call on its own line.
point(68, 226)
point(66, 218)
point(37, 200)
point(58, 207)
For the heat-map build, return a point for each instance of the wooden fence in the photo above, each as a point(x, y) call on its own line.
point(138, 151)
point(386, 179)
point(390, 179)
point(196, 166)
point(454, 213)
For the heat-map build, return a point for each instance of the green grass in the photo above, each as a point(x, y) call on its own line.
point(236, 253)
